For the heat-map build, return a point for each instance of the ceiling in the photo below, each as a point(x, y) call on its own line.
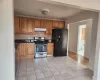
point(33, 8)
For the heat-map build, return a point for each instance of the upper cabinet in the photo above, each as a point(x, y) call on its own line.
point(43, 23)
point(16, 24)
point(58, 24)
point(30, 26)
point(61, 24)
point(37, 23)
point(55, 24)
point(49, 24)
point(25, 25)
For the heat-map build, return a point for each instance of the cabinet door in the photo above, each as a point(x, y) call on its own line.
point(50, 48)
point(55, 24)
point(33, 23)
point(37, 23)
point(23, 25)
point(16, 24)
point(30, 26)
point(43, 23)
point(21, 50)
point(49, 24)
point(25, 50)
point(30, 48)
point(61, 24)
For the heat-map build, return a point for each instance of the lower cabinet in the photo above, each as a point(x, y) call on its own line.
point(50, 48)
point(25, 50)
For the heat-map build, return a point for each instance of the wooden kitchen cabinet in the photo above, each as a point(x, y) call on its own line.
point(23, 25)
point(25, 50)
point(43, 23)
point(16, 24)
point(61, 24)
point(37, 23)
point(49, 27)
point(50, 48)
point(30, 26)
point(30, 49)
point(21, 51)
point(55, 24)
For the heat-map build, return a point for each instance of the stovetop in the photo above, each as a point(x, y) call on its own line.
point(40, 41)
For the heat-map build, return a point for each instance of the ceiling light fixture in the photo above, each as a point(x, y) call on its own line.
point(44, 11)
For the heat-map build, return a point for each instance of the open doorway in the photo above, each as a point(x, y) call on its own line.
point(81, 39)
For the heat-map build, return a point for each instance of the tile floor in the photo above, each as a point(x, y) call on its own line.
point(52, 68)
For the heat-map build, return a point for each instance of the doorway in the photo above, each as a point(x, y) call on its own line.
point(79, 34)
point(81, 39)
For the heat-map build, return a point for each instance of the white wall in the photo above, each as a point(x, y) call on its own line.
point(87, 49)
point(83, 16)
point(6, 40)
point(73, 37)
point(96, 75)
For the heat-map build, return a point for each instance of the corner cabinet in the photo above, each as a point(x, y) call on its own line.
point(61, 24)
point(50, 48)
point(55, 24)
point(58, 24)
point(25, 50)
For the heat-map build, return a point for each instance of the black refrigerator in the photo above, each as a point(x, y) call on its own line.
point(60, 40)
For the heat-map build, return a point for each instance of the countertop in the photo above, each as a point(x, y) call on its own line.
point(24, 41)
point(28, 41)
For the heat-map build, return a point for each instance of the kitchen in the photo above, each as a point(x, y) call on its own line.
point(41, 39)
point(48, 68)
point(31, 20)
point(27, 29)
point(34, 40)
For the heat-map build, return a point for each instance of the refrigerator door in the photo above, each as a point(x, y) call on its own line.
point(57, 43)
point(59, 37)
point(64, 41)
point(56, 35)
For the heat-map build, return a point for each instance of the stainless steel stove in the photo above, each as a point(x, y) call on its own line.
point(40, 47)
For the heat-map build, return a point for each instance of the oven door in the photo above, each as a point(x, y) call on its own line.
point(40, 50)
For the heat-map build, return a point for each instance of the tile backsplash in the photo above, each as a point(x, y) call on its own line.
point(24, 36)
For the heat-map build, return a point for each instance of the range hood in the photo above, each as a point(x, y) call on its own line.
point(40, 29)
